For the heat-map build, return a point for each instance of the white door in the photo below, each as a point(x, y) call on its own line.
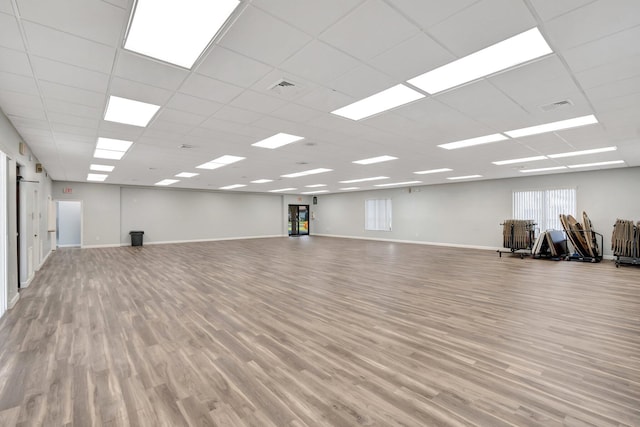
point(69, 224)
point(35, 256)
point(4, 288)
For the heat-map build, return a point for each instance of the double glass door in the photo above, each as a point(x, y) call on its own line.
point(298, 220)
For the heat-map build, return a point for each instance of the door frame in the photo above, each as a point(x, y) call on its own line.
point(298, 206)
point(55, 201)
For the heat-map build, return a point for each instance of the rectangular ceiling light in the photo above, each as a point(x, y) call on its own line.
point(590, 165)
point(522, 160)
point(551, 127)
point(554, 168)
point(315, 192)
point(220, 162)
point(277, 141)
point(583, 152)
point(186, 175)
point(473, 141)
point(167, 182)
point(176, 31)
point(113, 144)
point(102, 168)
point(282, 190)
point(375, 178)
point(129, 112)
point(231, 187)
point(108, 154)
point(305, 173)
point(261, 181)
point(433, 171)
point(382, 101)
point(96, 177)
point(316, 185)
point(373, 160)
point(349, 188)
point(397, 183)
point(508, 53)
point(453, 178)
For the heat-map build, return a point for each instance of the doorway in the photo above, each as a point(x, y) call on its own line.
point(68, 224)
point(298, 220)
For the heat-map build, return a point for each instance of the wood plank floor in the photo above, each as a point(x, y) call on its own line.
point(320, 332)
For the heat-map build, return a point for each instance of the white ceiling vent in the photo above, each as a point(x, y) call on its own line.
point(557, 105)
point(285, 87)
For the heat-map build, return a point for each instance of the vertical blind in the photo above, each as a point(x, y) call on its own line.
point(377, 214)
point(544, 206)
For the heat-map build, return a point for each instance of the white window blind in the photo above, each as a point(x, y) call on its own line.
point(544, 206)
point(377, 214)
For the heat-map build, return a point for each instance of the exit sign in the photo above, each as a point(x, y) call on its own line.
point(67, 190)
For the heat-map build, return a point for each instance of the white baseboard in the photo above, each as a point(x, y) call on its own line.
point(169, 242)
point(44, 260)
point(414, 242)
point(14, 301)
point(69, 246)
point(112, 245)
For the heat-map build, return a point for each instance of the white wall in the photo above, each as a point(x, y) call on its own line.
point(469, 213)
point(69, 224)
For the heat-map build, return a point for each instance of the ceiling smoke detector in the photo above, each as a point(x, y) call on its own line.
point(557, 105)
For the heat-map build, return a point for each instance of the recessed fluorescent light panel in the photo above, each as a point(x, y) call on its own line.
point(176, 31)
point(473, 141)
point(220, 162)
point(108, 154)
point(522, 160)
point(167, 182)
point(349, 188)
point(102, 168)
point(315, 192)
point(129, 112)
point(554, 168)
point(590, 165)
point(113, 144)
point(186, 175)
point(305, 173)
point(433, 171)
point(231, 187)
point(382, 101)
point(261, 181)
point(277, 141)
point(397, 183)
point(508, 53)
point(373, 160)
point(316, 185)
point(375, 178)
point(453, 178)
point(583, 152)
point(96, 177)
point(551, 127)
point(282, 190)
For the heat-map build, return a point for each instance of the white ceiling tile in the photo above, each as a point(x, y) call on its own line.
point(10, 99)
point(72, 94)
point(483, 24)
point(627, 102)
point(64, 107)
point(25, 124)
point(10, 33)
point(168, 127)
point(621, 69)
point(254, 101)
point(90, 19)
point(68, 119)
point(180, 117)
point(231, 67)
point(139, 91)
point(296, 113)
point(360, 33)
point(70, 49)
point(325, 100)
point(120, 131)
point(123, 4)
point(18, 83)
point(591, 22)
point(70, 75)
point(614, 89)
point(427, 13)
point(362, 82)
point(310, 16)
point(13, 61)
point(5, 6)
point(81, 132)
point(191, 104)
point(236, 115)
point(319, 62)
point(600, 52)
point(550, 9)
point(211, 89)
point(132, 66)
point(263, 37)
point(402, 62)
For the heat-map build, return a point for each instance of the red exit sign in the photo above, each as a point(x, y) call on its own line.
point(67, 190)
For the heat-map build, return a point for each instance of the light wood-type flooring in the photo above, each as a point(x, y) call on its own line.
point(320, 332)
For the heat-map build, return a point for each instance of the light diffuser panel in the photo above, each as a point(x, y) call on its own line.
point(108, 154)
point(102, 168)
point(129, 111)
point(373, 160)
point(113, 144)
point(382, 101)
point(277, 140)
point(554, 126)
point(473, 141)
point(98, 177)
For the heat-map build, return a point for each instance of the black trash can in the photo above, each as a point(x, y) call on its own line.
point(136, 238)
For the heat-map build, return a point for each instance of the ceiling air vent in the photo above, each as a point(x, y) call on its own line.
point(285, 88)
point(557, 105)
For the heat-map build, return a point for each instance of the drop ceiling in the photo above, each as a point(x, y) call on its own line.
point(61, 60)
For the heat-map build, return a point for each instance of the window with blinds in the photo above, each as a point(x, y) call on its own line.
point(377, 215)
point(544, 206)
